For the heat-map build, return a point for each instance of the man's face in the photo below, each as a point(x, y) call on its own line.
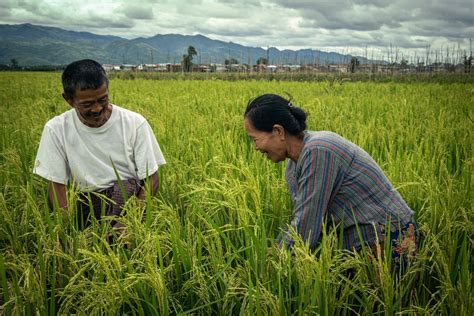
point(92, 106)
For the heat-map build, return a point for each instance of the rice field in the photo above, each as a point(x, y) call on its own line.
point(200, 246)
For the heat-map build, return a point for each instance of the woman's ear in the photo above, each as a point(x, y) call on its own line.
point(279, 130)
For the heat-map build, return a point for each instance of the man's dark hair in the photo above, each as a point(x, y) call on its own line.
point(83, 75)
point(270, 109)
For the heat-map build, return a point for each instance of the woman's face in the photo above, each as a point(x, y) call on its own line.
point(272, 144)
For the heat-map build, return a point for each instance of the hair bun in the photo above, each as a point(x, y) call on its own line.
point(269, 109)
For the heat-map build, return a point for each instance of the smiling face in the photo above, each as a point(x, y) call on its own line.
point(272, 144)
point(92, 106)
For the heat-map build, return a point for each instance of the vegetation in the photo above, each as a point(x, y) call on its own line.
point(231, 61)
point(262, 61)
point(188, 59)
point(201, 245)
point(331, 78)
point(353, 64)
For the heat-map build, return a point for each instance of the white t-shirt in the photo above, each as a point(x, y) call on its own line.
point(70, 151)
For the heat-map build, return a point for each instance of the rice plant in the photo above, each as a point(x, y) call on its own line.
point(203, 244)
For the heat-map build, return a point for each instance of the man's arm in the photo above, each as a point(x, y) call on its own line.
point(57, 192)
point(148, 158)
point(153, 182)
point(51, 164)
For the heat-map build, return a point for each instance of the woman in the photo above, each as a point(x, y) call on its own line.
point(329, 178)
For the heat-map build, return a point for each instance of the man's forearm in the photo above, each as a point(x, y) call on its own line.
point(57, 195)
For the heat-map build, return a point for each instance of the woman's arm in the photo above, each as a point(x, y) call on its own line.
point(318, 181)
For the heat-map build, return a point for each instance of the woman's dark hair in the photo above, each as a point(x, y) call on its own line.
point(83, 74)
point(269, 109)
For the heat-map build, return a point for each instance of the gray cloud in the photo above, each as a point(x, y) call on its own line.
point(241, 2)
point(216, 10)
point(138, 11)
point(372, 15)
point(220, 27)
point(449, 30)
point(68, 15)
point(346, 14)
point(5, 13)
point(100, 22)
point(453, 11)
point(5, 5)
point(28, 5)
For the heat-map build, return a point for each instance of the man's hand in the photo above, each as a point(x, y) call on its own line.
point(154, 182)
point(118, 230)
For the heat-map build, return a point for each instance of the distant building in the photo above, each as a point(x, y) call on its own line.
point(174, 67)
point(163, 67)
point(110, 67)
point(341, 68)
point(201, 68)
point(237, 68)
point(271, 68)
point(260, 68)
point(289, 67)
point(148, 67)
point(218, 68)
point(128, 67)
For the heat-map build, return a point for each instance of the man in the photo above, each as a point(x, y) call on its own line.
point(92, 143)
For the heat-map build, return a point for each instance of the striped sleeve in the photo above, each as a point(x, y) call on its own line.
point(316, 182)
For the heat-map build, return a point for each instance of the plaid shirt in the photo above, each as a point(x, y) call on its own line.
point(337, 181)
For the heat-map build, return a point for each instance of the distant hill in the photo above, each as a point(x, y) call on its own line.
point(38, 45)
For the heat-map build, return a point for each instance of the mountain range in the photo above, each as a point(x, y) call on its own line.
point(32, 45)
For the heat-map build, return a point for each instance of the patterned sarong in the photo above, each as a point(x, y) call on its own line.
point(108, 202)
point(404, 243)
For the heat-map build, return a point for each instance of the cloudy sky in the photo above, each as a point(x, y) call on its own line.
point(337, 25)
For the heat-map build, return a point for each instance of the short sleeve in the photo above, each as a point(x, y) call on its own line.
point(148, 155)
point(51, 160)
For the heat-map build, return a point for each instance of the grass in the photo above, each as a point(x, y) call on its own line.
point(201, 245)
